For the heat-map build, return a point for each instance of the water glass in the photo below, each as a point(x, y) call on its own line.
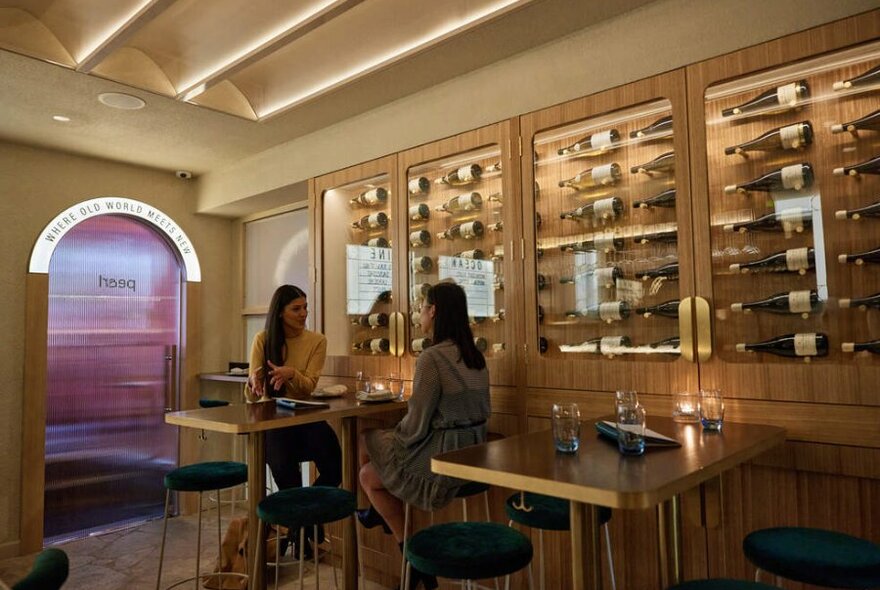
point(711, 409)
point(685, 407)
point(566, 427)
point(395, 386)
point(629, 398)
point(630, 428)
point(362, 383)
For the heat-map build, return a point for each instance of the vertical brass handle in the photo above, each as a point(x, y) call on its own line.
point(171, 379)
point(392, 333)
point(704, 329)
point(397, 333)
point(686, 328)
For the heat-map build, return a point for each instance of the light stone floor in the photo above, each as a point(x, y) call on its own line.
point(128, 559)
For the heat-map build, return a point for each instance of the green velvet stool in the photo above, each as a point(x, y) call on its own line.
point(814, 556)
point(48, 573)
point(297, 508)
point(722, 585)
point(468, 551)
point(201, 477)
point(546, 513)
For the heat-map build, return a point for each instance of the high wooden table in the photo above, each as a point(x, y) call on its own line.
point(254, 420)
point(598, 475)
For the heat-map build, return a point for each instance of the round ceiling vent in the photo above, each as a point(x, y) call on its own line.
point(118, 100)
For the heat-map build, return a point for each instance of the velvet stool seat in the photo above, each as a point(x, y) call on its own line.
point(720, 584)
point(814, 556)
point(298, 508)
point(201, 477)
point(468, 551)
point(49, 571)
point(546, 513)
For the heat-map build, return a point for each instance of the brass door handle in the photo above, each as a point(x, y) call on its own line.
point(686, 328)
point(397, 333)
point(704, 329)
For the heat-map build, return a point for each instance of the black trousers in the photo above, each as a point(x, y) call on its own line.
point(287, 447)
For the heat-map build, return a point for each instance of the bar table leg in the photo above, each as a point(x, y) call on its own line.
point(349, 482)
point(669, 541)
point(586, 565)
point(256, 443)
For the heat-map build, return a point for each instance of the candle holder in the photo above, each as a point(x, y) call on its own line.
point(685, 407)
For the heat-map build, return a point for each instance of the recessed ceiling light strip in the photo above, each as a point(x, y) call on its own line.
point(120, 33)
point(267, 44)
point(418, 45)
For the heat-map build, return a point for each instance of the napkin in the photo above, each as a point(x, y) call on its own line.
point(608, 429)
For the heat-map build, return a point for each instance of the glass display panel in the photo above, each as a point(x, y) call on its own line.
point(455, 232)
point(607, 237)
point(276, 253)
point(358, 257)
point(794, 196)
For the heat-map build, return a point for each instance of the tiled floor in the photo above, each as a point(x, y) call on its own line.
point(128, 559)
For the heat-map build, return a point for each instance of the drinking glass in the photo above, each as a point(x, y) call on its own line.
point(630, 428)
point(711, 409)
point(685, 407)
point(362, 383)
point(395, 386)
point(629, 398)
point(566, 427)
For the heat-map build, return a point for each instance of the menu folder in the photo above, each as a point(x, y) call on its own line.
point(299, 404)
point(608, 429)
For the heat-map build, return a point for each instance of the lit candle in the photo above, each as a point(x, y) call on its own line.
point(684, 407)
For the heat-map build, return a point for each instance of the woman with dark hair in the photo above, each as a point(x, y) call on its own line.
point(448, 410)
point(286, 361)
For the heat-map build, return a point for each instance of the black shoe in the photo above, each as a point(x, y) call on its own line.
point(417, 578)
point(370, 517)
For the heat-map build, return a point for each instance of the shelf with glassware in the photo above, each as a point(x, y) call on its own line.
point(610, 192)
point(458, 191)
point(355, 252)
point(783, 171)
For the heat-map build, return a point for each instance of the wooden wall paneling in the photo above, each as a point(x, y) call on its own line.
point(641, 372)
point(839, 379)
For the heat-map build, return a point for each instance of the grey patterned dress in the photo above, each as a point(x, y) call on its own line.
point(448, 410)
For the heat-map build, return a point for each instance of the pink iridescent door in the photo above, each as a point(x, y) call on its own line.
point(114, 329)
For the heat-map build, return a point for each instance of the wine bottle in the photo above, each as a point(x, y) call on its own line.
point(781, 98)
point(464, 175)
point(790, 345)
point(372, 221)
point(605, 276)
point(667, 309)
point(418, 186)
point(605, 242)
point(496, 227)
point(476, 320)
point(462, 203)
point(496, 167)
point(420, 291)
point(543, 283)
point(419, 212)
point(498, 284)
point(498, 252)
point(481, 343)
point(662, 164)
point(498, 347)
point(466, 231)
point(543, 344)
point(786, 220)
point(872, 76)
point(420, 344)
point(377, 243)
point(604, 209)
point(871, 166)
point(862, 303)
point(384, 297)
point(794, 177)
point(373, 345)
point(495, 198)
point(374, 320)
point(599, 176)
point(670, 345)
point(498, 317)
point(540, 314)
point(659, 128)
point(371, 197)
point(872, 210)
point(609, 311)
point(802, 302)
point(668, 236)
point(419, 238)
point(667, 271)
point(872, 256)
point(872, 346)
point(790, 137)
point(422, 264)
point(870, 122)
point(798, 260)
point(591, 145)
point(475, 254)
point(666, 199)
point(415, 318)
point(611, 345)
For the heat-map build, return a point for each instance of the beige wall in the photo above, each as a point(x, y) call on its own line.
point(661, 36)
point(35, 185)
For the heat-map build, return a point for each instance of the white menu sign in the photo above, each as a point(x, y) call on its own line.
point(368, 275)
point(476, 277)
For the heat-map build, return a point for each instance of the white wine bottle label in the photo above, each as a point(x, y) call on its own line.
point(602, 174)
point(605, 276)
point(497, 252)
point(604, 208)
point(418, 238)
point(374, 220)
point(797, 259)
point(601, 141)
point(465, 174)
point(376, 345)
point(371, 197)
point(498, 347)
point(609, 311)
point(422, 264)
point(420, 291)
point(416, 318)
point(611, 344)
point(791, 136)
point(416, 186)
point(805, 344)
point(787, 95)
point(604, 242)
point(469, 201)
point(419, 212)
point(792, 218)
point(468, 230)
point(799, 302)
point(420, 344)
point(793, 177)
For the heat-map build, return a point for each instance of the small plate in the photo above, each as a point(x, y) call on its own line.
point(372, 398)
point(320, 393)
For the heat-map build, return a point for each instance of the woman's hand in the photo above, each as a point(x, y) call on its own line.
point(278, 376)
point(256, 384)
